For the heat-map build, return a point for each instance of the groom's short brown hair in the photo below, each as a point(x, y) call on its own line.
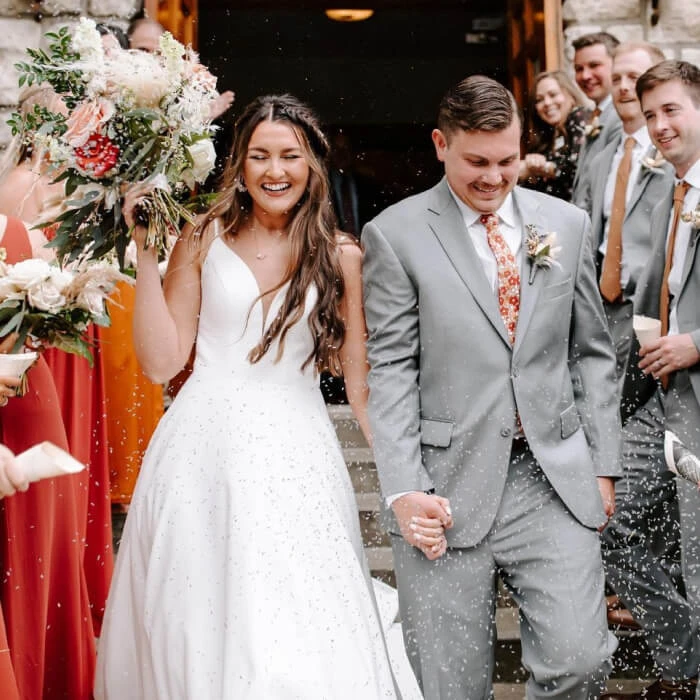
point(477, 103)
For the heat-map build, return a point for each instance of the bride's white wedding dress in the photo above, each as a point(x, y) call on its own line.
point(241, 573)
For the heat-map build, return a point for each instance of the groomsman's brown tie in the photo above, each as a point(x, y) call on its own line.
point(610, 286)
point(665, 300)
point(508, 275)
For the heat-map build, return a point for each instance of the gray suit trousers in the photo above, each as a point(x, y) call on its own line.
point(641, 546)
point(551, 565)
point(683, 418)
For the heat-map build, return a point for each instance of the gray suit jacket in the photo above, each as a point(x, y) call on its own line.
point(687, 306)
point(648, 190)
point(610, 129)
point(445, 383)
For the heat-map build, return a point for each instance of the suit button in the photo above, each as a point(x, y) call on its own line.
point(506, 432)
point(514, 373)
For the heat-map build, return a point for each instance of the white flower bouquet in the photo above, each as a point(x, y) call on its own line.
point(47, 306)
point(133, 117)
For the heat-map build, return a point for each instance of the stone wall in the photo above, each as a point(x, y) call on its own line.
point(23, 23)
point(677, 31)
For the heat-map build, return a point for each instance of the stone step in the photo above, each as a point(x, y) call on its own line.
point(346, 426)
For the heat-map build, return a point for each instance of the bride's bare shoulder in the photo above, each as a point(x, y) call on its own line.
point(195, 240)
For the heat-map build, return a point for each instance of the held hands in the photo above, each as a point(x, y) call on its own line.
point(423, 519)
point(11, 477)
point(668, 354)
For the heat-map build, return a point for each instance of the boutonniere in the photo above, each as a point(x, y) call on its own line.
point(692, 217)
point(593, 129)
point(542, 250)
point(652, 162)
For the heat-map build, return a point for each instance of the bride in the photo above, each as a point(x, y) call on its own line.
point(241, 572)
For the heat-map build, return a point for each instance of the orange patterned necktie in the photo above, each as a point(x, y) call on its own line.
point(612, 262)
point(508, 275)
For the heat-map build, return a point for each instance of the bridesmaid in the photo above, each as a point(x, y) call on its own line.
point(25, 192)
point(134, 404)
point(43, 590)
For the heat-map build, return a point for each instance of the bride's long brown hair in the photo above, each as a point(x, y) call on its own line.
point(312, 231)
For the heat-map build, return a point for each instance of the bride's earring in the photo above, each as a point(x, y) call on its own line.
point(239, 184)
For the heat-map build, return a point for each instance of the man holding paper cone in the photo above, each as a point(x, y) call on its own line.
point(670, 290)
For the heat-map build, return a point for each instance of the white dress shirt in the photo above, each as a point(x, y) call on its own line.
point(510, 229)
point(605, 102)
point(641, 148)
point(680, 249)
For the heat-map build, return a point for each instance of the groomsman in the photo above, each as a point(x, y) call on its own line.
point(593, 72)
point(622, 187)
point(670, 291)
point(640, 543)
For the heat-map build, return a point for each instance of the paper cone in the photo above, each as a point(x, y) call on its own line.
point(45, 461)
point(16, 364)
point(679, 459)
point(646, 329)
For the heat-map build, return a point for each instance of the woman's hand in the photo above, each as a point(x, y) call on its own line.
point(536, 165)
point(11, 477)
point(8, 389)
point(133, 197)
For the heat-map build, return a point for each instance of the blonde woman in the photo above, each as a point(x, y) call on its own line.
point(558, 123)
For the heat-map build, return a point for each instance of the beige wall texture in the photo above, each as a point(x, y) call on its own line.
point(677, 32)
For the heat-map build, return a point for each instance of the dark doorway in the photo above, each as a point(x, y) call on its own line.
point(378, 81)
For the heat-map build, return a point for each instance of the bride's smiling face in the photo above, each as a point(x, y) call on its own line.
point(275, 170)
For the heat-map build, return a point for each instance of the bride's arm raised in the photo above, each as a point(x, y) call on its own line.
point(166, 315)
point(353, 353)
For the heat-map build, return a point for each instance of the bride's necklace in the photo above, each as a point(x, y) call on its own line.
point(259, 254)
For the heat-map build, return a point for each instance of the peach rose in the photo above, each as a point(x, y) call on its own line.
point(86, 119)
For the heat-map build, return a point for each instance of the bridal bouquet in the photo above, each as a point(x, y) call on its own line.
point(133, 117)
point(46, 305)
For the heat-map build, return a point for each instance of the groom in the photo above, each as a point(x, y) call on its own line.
point(492, 384)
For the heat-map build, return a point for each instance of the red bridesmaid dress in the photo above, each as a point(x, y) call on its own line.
point(8, 682)
point(43, 588)
point(81, 394)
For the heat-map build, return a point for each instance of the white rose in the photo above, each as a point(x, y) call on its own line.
point(60, 278)
point(45, 296)
point(8, 289)
point(92, 299)
point(29, 273)
point(203, 159)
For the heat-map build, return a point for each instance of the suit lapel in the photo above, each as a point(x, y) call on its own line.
point(689, 257)
point(638, 190)
point(446, 222)
point(597, 207)
point(530, 215)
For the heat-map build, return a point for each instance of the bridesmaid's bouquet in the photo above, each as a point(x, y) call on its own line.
point(49, 306)
point(132, 117)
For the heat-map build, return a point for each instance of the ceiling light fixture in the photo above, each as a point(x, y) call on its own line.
point(338, 15)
